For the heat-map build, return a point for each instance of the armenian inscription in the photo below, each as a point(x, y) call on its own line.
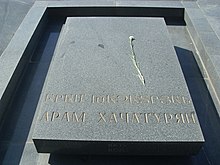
point(115, 86)
point(132, 99)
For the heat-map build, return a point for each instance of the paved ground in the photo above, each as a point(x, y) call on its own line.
point(12, 12)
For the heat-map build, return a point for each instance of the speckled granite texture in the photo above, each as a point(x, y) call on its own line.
point(119, 81)
point(197, 40)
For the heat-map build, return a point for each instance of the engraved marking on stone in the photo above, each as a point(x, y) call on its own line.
point(77, 118)
point(113, 118)
point(141, 118)
point(134, 60)
point(115, 98)
point(102, 117)
point(117, 148)
point(62, 55)
point(55, 115)
point(45, 116)
point(101, 46)
point(168, 117)
point(121, 117)
point(67, 98)
point(72, 42)
point(64, 117)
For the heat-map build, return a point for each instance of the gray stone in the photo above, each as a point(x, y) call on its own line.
point(141, 3)
point(115, 86)
point(207, 45)
point(208, 115)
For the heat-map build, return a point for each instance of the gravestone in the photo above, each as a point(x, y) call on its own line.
point(115, 86)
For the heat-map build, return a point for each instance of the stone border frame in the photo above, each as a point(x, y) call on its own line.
point(20, 49)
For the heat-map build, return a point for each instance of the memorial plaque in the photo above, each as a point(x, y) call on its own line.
point(115, 86)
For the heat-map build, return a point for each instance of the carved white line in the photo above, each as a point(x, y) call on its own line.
point(133, 58)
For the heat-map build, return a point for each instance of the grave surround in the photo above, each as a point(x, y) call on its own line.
point(115, 86)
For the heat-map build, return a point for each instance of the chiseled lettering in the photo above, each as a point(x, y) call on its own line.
point(102, 117)
point(117, 148)
point(186, 100)
point(100, 99)
point(44, 116)
point(176, 100)
point(128, 98)
point(146, 115)
point(50, 97)
point(67, 98)
point(113, 118)
point(178, 119)
point(154, 99)
point(185, 118)
point(126, 117)
point(55, 115)
point(138, 99)
point(135, 118)
point(59, 97)
point(191, 117)
point(66, 117)
point(93, 99)
point(122, 117)
point(112, 99)
point(105, 99)
point(70, 98)
point(165, 100)
point(146, 99)
point(157, 116)
point(80, 118)
point(81, 97)
point(168, 117)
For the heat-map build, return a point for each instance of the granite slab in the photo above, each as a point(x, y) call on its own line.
point(115, 86)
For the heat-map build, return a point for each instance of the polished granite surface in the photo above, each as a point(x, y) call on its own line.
point(15, 138)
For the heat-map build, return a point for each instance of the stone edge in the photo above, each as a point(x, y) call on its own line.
point(206, 42)
point(16, 55)
point(207, 49)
